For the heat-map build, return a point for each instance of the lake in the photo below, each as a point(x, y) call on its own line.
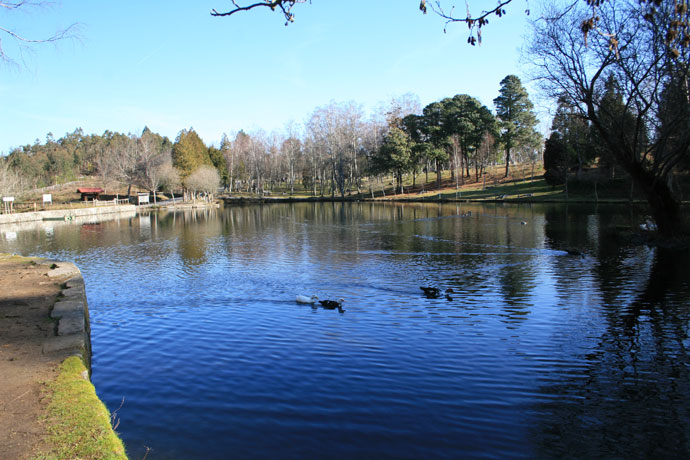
point(199, 345)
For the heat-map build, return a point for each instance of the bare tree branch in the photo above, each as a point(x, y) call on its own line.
point(474, 23)
point(284, 5)
point(22, 40)
point(678, 34)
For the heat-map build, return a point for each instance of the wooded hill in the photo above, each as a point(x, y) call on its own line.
point(330, 154)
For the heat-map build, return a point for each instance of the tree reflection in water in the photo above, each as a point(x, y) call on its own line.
point(630, 400)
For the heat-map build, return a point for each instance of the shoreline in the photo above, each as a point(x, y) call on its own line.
point(50, 408)
point(430, 199)
point(65, 214)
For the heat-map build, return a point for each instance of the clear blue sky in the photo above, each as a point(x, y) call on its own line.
point(170, 65)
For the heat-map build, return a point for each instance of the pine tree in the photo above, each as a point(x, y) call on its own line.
point(395, 154)
point(574, 133)
point(555, 160)
point(514, 111)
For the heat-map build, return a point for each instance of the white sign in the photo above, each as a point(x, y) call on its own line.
point(143, 198)
point(47, 198)
point(7, 199)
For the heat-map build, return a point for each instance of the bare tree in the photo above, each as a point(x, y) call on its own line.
point(258, 145)
point(21, 41)
point(204, 180)
point(170, 178)
point(336, 133)
point(10, 180)
point(153, 152)
point(123, 150)
point(227, 152)
point(646, 128)
point(105, 165)
point(676, 18)
point(291, 149)
point(285, 6)
point(238, 161)
point(394, 110)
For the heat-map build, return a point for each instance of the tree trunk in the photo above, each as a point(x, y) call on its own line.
point(232, 168)
point(507, 161)
point(664, 206)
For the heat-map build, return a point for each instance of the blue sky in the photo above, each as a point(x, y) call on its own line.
point(170, 65)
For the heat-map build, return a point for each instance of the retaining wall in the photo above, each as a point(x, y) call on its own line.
point(66, 213)
point(73, 333)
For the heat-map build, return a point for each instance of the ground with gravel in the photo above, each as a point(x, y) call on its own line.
point(27, 294)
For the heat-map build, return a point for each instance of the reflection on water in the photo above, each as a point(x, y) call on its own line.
point(539, 354)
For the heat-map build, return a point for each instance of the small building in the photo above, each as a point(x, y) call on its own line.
point(139, 199)
point(89, 193)
point(142, 198)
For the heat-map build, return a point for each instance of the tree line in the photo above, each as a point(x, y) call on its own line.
point(620, 71)
point(331, 153)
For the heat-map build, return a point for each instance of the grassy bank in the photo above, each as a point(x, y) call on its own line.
point(535, 191)
point(78, 422)
point(523, 185)
point(510, 190)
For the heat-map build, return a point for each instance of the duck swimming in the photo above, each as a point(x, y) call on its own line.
point(435, 293)
point(431, 292)
point(305, 299)
point(332, 304)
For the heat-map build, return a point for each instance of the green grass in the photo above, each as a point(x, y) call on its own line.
point(78, 422)
point(529, 190)
point(533, 191)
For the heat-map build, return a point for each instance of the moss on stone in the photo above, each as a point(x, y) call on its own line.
point(78, 421)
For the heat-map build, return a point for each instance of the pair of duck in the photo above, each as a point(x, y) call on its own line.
point(329, 304)
point(435, 293)
point(429, 292)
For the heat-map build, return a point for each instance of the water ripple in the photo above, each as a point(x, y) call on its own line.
point(538, 354)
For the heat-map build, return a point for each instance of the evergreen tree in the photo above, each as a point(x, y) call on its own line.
point(189, 153)
point(467, 119)
point(395, 154)
point(555, 160)
point(514, 111)
point(573, 133)
point(220, 163)
point(436, 138)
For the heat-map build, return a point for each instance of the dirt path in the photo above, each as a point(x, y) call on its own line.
point(27, 294)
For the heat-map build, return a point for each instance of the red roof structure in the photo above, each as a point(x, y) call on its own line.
point(89, 192)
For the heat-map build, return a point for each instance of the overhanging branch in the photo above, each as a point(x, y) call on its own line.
point(284, 5)
point(24, 41)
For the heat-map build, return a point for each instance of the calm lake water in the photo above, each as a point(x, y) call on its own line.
point(539, 354)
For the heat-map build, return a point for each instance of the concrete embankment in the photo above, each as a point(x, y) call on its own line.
point(80, 422)
point(49, 408)
point(66, 214)
point(256, 200)
point(71, 311)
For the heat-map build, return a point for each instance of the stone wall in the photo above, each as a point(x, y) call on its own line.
point(73, 333)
